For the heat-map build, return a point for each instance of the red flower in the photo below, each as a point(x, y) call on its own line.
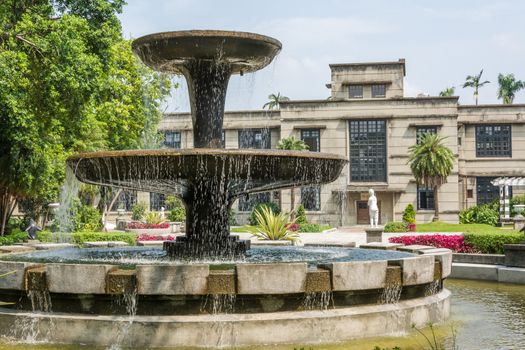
point(455, 243)
point(146, 237)
point(142, 225)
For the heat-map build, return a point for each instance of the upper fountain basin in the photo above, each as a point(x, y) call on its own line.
point(170, 51)
point(174, 171)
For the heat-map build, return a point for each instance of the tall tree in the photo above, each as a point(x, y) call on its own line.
point(68, 83)
point(508, 87)
point(431, 163)
point(474, 81)
point(292, 144)
point(275, 101)
point(449, 91)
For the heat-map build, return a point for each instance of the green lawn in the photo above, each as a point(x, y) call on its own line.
point(446, 227)
point(252, 229)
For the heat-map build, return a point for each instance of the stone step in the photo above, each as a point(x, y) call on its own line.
point(150, 243)
point(15, 249)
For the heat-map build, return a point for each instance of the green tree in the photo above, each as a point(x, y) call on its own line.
point(431, 162)
point(68, 83)
point(474, 81)
point(449, 91)
point(275, 101)
point(292, 144)
point(508, 87)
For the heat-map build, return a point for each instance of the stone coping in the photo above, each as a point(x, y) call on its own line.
point(237, 330)
point(484, 272)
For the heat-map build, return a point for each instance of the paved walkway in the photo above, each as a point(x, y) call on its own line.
point(347, 235)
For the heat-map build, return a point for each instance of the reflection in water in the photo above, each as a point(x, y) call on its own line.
point(486, 315)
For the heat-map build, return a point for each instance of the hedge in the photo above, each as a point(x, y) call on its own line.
point(397, 227)
point(80, 237)
point(492, 243)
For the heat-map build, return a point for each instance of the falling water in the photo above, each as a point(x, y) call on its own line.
point(40, 300)
point(219, 303)
point(432, 288)
point(391, 294)
point(318, 300)
point(68, 194)
point(130, 301)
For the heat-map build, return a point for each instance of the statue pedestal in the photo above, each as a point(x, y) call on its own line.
point(374, 234)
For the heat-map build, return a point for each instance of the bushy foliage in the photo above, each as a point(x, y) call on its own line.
point(177, 210)
point(455, 243)
point(138, 211)
point(395, 226)
point(80, 237)
point(87, 218)
point(492, 243)
point(300, 217)
point(272, 205)
point(271, 226)
point(516, 200)
point(409, 214)
point(15, 236)
point(482, 214)
point(310, 228)
point(153, 218)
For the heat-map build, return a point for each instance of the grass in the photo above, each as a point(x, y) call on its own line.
point(446, 227)
point(252, 229)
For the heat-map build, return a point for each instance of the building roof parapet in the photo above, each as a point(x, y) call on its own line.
point(494, 105)
point(401, 62)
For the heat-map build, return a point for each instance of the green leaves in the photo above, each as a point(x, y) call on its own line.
point(431, 162)
point(292, 144)
point(271, 226)
point(508, 87)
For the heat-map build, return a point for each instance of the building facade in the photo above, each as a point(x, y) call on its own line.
point(368, 119)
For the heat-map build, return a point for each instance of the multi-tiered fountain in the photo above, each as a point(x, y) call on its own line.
point(207, 178)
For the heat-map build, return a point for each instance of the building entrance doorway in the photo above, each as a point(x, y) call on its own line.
point(363, 218)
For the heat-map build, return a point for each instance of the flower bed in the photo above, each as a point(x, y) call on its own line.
point(145, 226)
point(455, 243)
point(146, 237)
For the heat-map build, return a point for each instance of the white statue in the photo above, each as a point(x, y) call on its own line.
point(373, 210)
point(162, 213)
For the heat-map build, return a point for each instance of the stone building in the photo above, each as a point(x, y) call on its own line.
point(368, 119)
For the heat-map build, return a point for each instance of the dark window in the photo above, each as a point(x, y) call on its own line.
point(247, 203)
point(378, 90)
point(157, 201)
point(355, 91)
point(312, 137)
point(126, 200)
point(172, 139)
point(425, 198)
point(368, 150)
point(255, 138)
point(486, 192)
point(493, 141)
point(420, 130)
point(311, 198)
point(470, 193)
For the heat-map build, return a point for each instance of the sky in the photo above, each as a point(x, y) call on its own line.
point(442, 41)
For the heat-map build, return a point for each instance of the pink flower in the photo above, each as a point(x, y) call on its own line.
point(455, 243)
point(142, 225)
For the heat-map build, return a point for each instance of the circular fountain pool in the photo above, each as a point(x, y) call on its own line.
point(150, 255)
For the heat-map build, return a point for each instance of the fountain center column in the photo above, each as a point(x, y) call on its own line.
point(207, 84)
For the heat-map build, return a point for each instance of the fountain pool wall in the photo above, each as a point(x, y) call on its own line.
point(176, 303)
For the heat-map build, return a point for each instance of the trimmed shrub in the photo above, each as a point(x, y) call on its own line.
point(455, 243)
point(409, 215)
point(15, 236)
point(138, 211)
point(310, 228)
point(272, 205)
point(80, 237)
point(395, 226)
point(177, 211)
point(300, 217)
point(88, 218)
point(492, 243)
point(483, 214)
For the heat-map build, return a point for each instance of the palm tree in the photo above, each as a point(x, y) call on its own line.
point(449, 91)
point(275, 101)
point(474, 81)
point(508, 87)
point(292, 144)
point(431, 163)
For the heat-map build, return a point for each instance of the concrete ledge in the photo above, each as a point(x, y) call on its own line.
point(416, 270)
point(484, 259)
point(511, 275)
point(331, 244)
point(474, 271)
point(150, 243)
point(105, 244)
point(275, 278)
point(414, 248)
point(269, 242)
point(77, 278)
point(234, 330)
point(381, 246)
point(172, 279)
point(358, 275)
point(444, 256)
point(16, 278)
